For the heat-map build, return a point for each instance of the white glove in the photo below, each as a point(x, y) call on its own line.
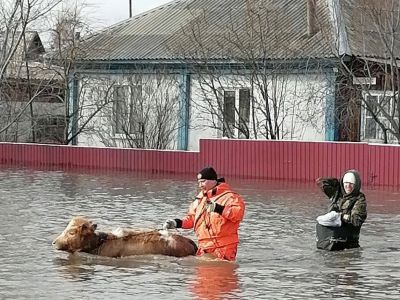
point(346, 218)
point(211, 206)
point(169, 224)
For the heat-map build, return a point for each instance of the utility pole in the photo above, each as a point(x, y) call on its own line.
point(130, 8)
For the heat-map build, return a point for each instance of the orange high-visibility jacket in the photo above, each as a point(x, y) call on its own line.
point(212, 229)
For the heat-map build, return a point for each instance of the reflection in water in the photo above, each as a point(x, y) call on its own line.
point(348, 282)
point(82, 266)
point(343, 271)
point(72, 268)
point(214, 279)
point(349, 258)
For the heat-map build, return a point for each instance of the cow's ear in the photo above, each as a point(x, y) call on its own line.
point(94, 226)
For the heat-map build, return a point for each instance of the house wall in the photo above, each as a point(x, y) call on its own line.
point(301, 114)
point(159, 93)
point(21, 128)
point(301, 110)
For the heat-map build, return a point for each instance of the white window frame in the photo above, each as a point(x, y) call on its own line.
point(364, 117)
point(237, 90)
point(129, 101)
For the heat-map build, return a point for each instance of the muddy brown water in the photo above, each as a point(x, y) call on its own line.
point(277, 257)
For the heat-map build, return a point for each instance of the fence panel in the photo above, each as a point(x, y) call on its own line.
point(281, 160)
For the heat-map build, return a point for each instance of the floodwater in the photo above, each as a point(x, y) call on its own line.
point(277, 257)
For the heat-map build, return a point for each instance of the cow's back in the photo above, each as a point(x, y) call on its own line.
point(152, 242)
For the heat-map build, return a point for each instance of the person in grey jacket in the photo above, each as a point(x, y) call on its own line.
point(347, 199)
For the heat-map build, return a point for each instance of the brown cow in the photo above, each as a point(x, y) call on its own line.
point(80, 235)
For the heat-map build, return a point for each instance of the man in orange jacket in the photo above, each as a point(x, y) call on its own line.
point(215, 216)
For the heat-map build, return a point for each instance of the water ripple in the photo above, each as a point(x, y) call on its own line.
point(277, 257)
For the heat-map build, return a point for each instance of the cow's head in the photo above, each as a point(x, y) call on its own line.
point(77, 236)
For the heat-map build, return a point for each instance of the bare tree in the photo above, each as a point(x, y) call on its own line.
point(19, 52)
point(39, 96)
point(67, 27)
point(137, 110)
point(252, 92)
point(371, 81)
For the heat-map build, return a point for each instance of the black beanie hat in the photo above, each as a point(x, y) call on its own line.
point(207, 173)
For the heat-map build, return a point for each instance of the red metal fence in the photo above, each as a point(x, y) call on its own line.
point(305, 161)
point(155, 161)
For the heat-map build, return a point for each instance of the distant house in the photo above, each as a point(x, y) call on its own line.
point(31, 95)
point(271, 69)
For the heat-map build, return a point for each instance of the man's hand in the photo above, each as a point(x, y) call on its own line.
point(169, 224)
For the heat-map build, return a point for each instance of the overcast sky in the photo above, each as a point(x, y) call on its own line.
point(108, 12)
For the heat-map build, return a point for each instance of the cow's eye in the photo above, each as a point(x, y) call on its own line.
point(72, 232)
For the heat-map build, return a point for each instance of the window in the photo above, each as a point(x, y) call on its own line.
point(229, 114)
point(125, 111)
point(376, 104)
point(370, 124)
point(236, 113)
point(50, 129)
point(244, 113)
point(120, 108)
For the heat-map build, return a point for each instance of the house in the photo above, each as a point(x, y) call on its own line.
point(31, 94)
point(251, 69)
